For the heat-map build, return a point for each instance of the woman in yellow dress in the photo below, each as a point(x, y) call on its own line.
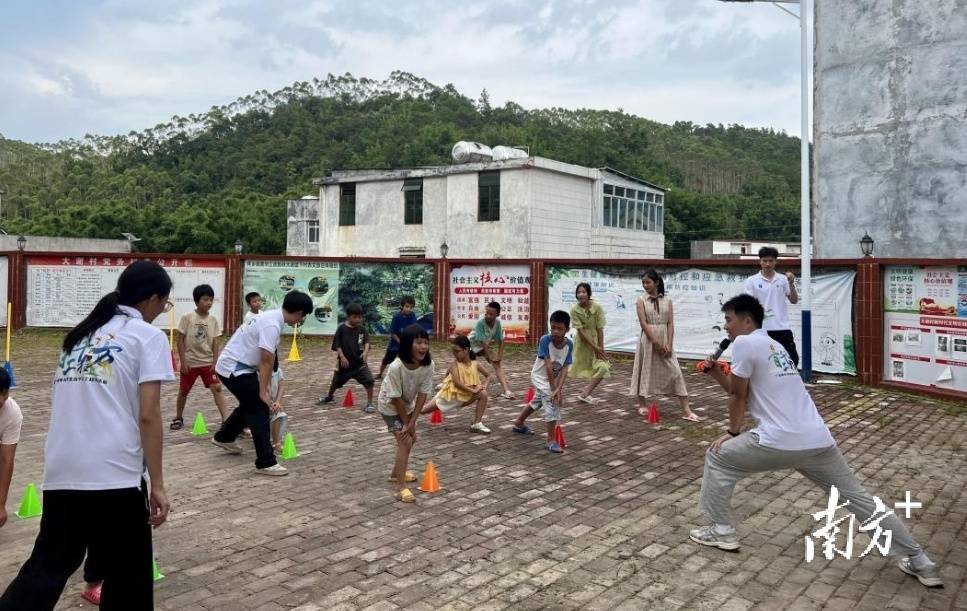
point(656, 369)
point(590, 360)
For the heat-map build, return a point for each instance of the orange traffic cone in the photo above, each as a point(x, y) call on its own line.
point(436, 417)
point(430, 483)
point(528, 397)
point(559, 437)
point(653, 416)
point(348, 399)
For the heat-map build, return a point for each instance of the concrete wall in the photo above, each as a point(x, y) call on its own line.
point(561, 215)
point(52, 244)
point(299, 212)
point(890, 131)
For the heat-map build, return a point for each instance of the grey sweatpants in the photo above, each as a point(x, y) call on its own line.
point(743, 456)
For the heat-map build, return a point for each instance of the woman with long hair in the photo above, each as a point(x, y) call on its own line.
point(590, 360)
point(105, 428)
point(656, 369)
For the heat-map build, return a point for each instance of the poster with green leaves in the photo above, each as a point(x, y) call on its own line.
point(273, 279)
point(380, 287)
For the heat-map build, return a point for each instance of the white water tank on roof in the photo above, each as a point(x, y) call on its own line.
point(503, 153)
point(471, 152)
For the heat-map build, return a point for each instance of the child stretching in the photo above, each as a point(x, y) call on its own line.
point(279, 421)
point(401, 320)
point(408, 381)
point(548, 377)
point(198, 334)
point(488, 341)
point(351, 343)
point(462, 386)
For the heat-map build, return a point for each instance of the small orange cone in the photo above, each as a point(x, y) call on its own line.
point(559, 437)
point(653, 416)
point(436, 417)
point(348, 399)
point(430, 483)
point(528, 397)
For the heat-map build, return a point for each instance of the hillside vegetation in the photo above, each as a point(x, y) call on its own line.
point(196, 183)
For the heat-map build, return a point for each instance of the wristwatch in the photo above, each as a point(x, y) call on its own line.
point(729, 431)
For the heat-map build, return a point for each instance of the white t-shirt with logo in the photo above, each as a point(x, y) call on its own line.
point(786, 417)
point(773, 295)
point(249, 316)
point(94, 439)
point(559, 357)
point(243, 352)
point(11, 419)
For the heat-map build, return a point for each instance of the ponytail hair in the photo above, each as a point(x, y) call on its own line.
point(656, 278)
point(139, 281)
point(461, 341)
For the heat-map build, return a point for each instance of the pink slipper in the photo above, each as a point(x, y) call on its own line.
point(692, 418)
point(92, 595)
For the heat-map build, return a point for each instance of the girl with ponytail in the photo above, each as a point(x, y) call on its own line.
point(105, 428)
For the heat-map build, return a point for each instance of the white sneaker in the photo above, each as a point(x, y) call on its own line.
point(507, 395)
point(479, 428)
point(584, 399)
point(231, 448)
point(275, 469)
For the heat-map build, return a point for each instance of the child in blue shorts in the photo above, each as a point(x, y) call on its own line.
point(554, 353)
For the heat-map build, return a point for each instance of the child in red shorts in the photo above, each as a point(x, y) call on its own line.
point(198, 334)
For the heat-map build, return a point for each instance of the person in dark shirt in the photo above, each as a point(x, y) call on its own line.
point(351, 344)
point(401, 320)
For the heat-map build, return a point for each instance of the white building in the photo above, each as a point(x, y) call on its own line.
point(740, 249)
point(518, 208)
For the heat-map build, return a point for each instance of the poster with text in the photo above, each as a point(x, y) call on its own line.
point(274, 279)
point(472, 287)
point(697, 296)
point(62, 290)
point(925, 325)
point(380, 287)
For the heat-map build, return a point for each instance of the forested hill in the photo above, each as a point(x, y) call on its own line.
point(197, 183)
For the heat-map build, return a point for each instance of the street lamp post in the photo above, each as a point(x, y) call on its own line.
point(805, 225)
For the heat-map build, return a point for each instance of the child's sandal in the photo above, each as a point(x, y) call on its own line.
point(405, 496)
point(409, 477)
point(176, 424)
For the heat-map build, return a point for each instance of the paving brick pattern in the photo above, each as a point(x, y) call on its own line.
point(603, 526)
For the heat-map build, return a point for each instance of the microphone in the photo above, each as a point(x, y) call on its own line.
point(725, 343)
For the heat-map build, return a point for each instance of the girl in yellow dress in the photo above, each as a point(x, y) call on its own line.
point(462, 386)
point(590, 360)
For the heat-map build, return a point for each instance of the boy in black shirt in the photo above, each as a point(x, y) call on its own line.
point(351, 344)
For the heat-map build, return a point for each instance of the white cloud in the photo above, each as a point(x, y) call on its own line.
point(113, 68)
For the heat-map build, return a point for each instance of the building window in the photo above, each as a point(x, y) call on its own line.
point(347, 204)
point(488, 206)
point(312, 232)
point(413, 201)
point(627, 208)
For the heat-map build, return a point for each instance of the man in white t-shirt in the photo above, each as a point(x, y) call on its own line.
point(245, 368)
point(10, 421)
point(773, 290)
point(789, 434)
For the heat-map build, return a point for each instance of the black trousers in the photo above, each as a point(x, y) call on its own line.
point(788, 342)
point(112, 525)
point(251, 412)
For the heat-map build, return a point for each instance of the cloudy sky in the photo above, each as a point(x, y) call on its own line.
point(111, 66)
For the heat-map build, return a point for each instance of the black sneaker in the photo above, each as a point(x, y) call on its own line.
point(324, 400)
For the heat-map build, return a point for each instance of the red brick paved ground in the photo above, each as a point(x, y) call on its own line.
point(603, 526)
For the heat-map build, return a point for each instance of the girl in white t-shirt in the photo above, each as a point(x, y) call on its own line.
point(406, 383)
point(105, 427)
